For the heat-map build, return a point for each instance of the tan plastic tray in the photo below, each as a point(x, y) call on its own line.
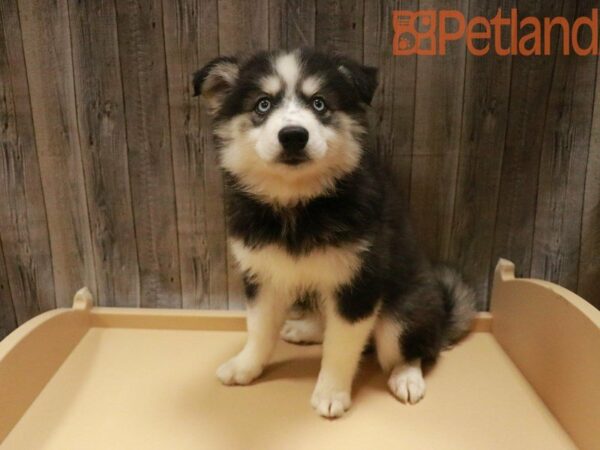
point(108, 378)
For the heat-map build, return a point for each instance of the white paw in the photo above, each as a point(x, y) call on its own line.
point(302, 331)
point(238, 371)
point(330, 403)
point(407, 383)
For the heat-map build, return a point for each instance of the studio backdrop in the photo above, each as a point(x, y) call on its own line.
point(109, 178)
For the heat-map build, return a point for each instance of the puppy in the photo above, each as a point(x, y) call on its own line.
point(313, 214)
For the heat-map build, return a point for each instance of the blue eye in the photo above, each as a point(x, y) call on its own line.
point(263, 106)
point(318, 104)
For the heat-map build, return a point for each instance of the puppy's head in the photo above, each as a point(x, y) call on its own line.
point(288, 123)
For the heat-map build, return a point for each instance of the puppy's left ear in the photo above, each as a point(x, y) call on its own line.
point(215, 80)
point(364, 78)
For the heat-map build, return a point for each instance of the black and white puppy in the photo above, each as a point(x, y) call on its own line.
point(312, 214)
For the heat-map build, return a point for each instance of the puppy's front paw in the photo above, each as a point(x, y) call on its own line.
point(238, 371)
point(407, 383)
point(330, 403)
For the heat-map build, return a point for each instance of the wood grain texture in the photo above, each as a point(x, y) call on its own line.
point(339, 27)
point(8, 317)
point(47, 48)
point(109, 176)
point(191, 40)
point(393, 107)
point(438, 122)
point(243, 30)
point(588, 283)
point(484, 120)
point(531, 81)
point(101, 122)
point(291, 24)
point(143, 71)
point(564, 157)
point(23, 223)
point(243, 27)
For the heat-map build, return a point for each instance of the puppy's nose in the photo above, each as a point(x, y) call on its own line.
point(293, 138)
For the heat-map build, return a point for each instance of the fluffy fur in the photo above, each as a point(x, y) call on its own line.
point(316, 227)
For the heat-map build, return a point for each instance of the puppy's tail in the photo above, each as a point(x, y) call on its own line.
point(459, 303)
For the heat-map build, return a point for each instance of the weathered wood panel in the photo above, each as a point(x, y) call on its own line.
point(438, 123)
point(23, 223)
point(8, 318)
point(101, 121)
point(394, 102)
point(564, 157)
point(484, 120)
point(47, 48)
point(243, 27)
point(243, 30)
point(143, 71)
point(339, 27)
point(191, 40)
point(588, 285)
point(109, 177)
point(530, 89)
point(291, 24)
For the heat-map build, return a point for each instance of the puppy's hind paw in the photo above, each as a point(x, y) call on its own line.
point(237, 371)
point(407, 384)
point(302, 331)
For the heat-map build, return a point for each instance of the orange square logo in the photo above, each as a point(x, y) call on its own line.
point(414, 32)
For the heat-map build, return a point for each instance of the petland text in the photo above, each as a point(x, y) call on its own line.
point(428, 32)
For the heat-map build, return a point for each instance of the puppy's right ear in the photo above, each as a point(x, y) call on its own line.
point(215, 80)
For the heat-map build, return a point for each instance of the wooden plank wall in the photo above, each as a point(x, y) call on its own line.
point(109, 177)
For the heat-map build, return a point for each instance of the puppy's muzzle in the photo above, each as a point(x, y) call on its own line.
point(293, 140)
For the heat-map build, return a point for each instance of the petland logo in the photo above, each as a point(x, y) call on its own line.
point(428, 32)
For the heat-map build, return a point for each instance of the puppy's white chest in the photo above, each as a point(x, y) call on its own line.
point(325, 268)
